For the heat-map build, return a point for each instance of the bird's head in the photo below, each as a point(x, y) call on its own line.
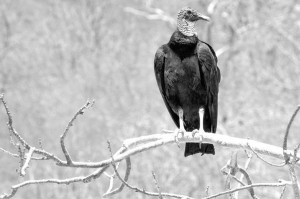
point(186, 19)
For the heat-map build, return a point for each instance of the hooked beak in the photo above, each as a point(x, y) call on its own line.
point(201, 17)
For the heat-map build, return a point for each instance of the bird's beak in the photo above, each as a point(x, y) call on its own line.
point(202, 17)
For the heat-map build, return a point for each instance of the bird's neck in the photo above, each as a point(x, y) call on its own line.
point(187, 28)
point(183, 45)
point(180, 39)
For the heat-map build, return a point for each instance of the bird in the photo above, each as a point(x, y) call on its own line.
point(188, 79)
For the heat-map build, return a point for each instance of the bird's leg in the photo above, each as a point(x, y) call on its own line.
point(201, 129)
point(181, 129)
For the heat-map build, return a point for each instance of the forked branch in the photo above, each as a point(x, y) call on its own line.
point(131, 147)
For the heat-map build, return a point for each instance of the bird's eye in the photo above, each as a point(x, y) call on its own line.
point(189, 12)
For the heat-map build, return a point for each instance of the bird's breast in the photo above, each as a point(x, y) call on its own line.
point(184, 73)
point(183, 82)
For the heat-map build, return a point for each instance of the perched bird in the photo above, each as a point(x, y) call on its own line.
point(188, 79)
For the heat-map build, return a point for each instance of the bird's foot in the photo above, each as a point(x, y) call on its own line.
point(194, 132)
point(179, 134)
point(200, 131)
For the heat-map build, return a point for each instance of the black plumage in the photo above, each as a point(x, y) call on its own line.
point(188, 79)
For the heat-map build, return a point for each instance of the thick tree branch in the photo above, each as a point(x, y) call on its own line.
point(134, 146)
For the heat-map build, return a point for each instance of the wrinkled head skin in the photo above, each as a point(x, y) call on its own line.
point(191, 15)
point(186, 19)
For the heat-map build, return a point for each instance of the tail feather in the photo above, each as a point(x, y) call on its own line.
point(193, 148)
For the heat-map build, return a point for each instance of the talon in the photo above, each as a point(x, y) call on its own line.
point(201, 129)
point(194, 132)
point(180, 132)
point(181, 129)
point(200, 142)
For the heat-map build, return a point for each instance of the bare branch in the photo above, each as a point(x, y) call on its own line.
point(294, 181)
point(163, 139)
point(10, 124)
point(67, 181)
point(269, 163)
point(247, 187)
point(233, 167)
point(17, 156)
point(284, 146)
point(9, 153)
point(62, 138)
point(137, 145)
point(249, 182)
point(249, 155)
point(113, 163)
point(157, 185)
point(291, 163)
point(282, 192)
point(117, 190)
point(26, 163)
point(234, 177)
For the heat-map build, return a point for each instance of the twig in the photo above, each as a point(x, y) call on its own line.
point(67, 181)
point(21, 161)
point(296, 150)
point(245, 168)
point(249, 182)
point(109, 192)
point(294, 181)
point(113, 163)
point(157, 185)
point(284, 146)
point(291, 163)
point(247, 187)
point(62, 137)
point(10, 124)
point(17, 156)
point(233, 177)
point(269, 163)
point(26, 163)
point(233, 168)
point(9, 153)
point(282, 192)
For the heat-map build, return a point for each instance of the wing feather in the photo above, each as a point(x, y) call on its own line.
point(159, 68)
point(208, 64)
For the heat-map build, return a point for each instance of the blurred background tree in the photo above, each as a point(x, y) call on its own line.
point(56, 54)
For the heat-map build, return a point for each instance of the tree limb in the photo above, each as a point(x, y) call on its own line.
point(26, 163)
point(62, 137)
point(288, 161)
point(67, 181)
point(134, 146)
point(279, 184)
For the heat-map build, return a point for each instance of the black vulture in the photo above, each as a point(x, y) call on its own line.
point(188, 79)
